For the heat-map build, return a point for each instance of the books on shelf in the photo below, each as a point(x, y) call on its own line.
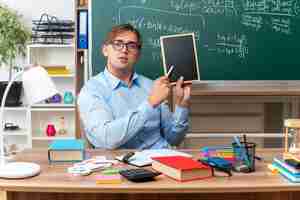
point(181, 168)
point(57, 70)
point(68, 150)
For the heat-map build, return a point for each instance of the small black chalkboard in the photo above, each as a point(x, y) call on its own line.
point(180, 51)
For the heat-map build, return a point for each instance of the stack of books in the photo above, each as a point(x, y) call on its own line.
point(285, 168)
point(225, 152)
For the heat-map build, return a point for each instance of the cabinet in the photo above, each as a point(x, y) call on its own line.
point(43, 114)
point(33, 121)
point(16, 140)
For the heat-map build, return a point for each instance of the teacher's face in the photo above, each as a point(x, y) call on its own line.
point(122, 52)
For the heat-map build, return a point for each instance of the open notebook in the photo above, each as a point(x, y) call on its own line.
point(143, 158)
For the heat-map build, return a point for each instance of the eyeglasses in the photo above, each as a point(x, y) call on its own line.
point(118, 45)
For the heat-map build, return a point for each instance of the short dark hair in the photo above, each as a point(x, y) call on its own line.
point(116, 30)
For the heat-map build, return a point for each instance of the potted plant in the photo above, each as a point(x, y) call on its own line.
point(13, 37)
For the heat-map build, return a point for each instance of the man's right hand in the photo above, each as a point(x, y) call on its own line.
point(160, 91)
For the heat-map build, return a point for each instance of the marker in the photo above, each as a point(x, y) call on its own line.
point(171, 69)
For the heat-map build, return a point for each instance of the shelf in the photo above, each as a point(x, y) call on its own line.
point(53, 105)
point(51, 46)
point(52, 138)
point(21, 108)
point(81, 50)
point(54, 109)
point(44, 107)
point(22, 132)
point(62, 75)
point(33, 119)
point(82, 7)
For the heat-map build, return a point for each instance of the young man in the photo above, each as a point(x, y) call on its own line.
point(122, 109)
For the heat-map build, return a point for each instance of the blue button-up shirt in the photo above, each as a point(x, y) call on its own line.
point(117, 116)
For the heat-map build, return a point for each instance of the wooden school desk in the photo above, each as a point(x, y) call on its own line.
point(55, 183)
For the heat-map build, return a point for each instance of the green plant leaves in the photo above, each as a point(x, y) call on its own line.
point(13, 35)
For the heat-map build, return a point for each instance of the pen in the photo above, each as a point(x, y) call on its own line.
point(170, 71)
point(245, 145)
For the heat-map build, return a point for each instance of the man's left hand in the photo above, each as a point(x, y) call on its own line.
point(182, 93)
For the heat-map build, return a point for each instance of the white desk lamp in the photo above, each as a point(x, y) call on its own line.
point(38, 86)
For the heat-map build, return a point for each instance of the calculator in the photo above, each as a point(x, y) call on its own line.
point(139, 175)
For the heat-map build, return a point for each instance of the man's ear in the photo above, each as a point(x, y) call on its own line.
point(104, 50)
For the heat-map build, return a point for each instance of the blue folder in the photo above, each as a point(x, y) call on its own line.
point(82, 37)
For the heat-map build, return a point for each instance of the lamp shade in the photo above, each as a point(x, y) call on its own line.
point(37, 85)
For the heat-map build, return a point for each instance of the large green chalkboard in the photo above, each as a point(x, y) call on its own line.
point(236, 39)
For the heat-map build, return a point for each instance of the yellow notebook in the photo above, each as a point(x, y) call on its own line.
point(108, 179)
point(57, 70)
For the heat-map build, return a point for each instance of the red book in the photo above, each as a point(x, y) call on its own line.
point(181, 168)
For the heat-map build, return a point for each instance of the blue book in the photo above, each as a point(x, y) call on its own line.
point(69, 150)
point(291, 177)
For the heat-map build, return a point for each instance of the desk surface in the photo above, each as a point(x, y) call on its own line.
point(54, 178)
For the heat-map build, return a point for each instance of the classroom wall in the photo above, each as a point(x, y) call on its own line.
point(32, 9)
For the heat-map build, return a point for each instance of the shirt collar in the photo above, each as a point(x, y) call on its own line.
point(116, 82)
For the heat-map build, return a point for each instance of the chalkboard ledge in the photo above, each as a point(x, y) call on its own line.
point(246, 88)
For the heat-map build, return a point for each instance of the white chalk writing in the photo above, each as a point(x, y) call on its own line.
point(231, 44)
point(259, 15)
point(281, 25)
point(212, 7)
point(152, 42)
point(224, 7)
point(161, 11)
point(254, 22)
point(270, 7)
point(257, 12)
point(156, 55)
point(156, 25)
point(183, 5)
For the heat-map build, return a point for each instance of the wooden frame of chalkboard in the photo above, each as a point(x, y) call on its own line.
point(180, 51)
